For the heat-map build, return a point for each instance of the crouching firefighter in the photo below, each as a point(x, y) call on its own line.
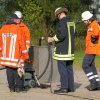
point(64, 50)
point(92, 49)
point(13, 52)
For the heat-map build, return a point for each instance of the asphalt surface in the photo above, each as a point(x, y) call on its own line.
point(81, 92)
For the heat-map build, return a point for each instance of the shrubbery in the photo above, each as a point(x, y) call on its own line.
point(39, 16)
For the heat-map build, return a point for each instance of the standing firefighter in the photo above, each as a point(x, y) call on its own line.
point(13, 52)
point(24, 28)
point(92, 49)
point(64, 50)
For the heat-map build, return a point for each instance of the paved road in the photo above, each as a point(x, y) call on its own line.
point(81, 93)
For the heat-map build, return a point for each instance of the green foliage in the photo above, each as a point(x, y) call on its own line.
point(39, 15)
point(31, 11)
point(79, 43)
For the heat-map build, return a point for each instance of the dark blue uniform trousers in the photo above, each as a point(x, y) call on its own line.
point(14, 81)
point(90, 69)
point(65, 69)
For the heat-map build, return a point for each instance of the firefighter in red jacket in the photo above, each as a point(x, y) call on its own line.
point(92, 49)
point(24, 28)
point(13, 53)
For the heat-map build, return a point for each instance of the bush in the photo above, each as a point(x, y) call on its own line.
point(79, 43)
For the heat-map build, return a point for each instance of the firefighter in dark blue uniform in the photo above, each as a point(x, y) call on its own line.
point(64, 50)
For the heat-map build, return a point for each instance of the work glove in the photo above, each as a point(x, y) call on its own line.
point(50, 39)
point(20, 69)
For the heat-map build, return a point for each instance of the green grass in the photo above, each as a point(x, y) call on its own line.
point(79, 55)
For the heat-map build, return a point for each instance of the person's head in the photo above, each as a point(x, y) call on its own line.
point(87, 17)
point(15, 18)
point(19, 14)
point(61, 12)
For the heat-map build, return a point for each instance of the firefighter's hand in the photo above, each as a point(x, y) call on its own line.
point(50, 39)
point(21, 72)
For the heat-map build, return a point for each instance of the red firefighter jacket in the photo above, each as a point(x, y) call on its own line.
point(12, 46)
point(26, 34)
point(93, 31)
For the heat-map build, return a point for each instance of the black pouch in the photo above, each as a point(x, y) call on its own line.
point(94, 40)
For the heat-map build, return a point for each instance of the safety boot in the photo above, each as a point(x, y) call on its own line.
point(93, 87)
point(61, 91)
point(18, 90)
point(71, 90)
point(12, 90)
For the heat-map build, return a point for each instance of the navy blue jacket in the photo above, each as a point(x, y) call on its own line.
point(64, 48)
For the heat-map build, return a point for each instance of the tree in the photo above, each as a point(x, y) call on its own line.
point(39, 14)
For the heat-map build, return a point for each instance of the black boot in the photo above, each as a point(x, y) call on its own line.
point(61, 91)
point(93, 87)
point(18, 90)
point(71, 90)
point(12, 89)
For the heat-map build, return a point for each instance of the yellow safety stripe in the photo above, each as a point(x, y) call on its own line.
point(65, 55)
point(71, 24)
point(69, 34)
point(59, 58)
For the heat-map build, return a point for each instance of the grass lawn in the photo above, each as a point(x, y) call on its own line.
point(79, 58)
